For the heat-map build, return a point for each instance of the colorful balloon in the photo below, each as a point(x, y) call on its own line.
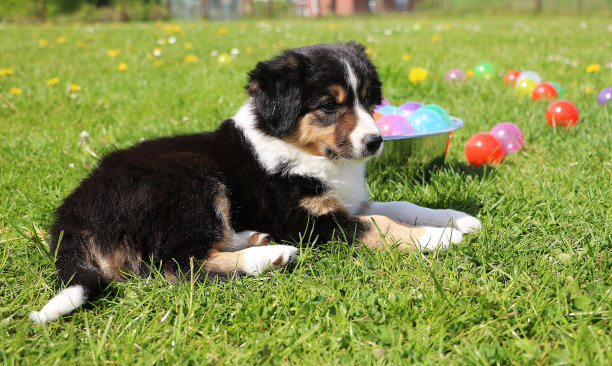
point(426, 120)
point(545, 91)
point(562, 113)
point(484, 70)
point(524, 87)
point(441, 111)
point(529, 75)
point(410, 107)
point(394, 125)
point(389, 109)
point(558, 87)
point(483, 148)
point(605, 96)
point(455, 76)
point(510, 77)
point(509, 135)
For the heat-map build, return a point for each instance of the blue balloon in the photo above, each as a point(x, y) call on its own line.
point(390, 109)
point(426, 120)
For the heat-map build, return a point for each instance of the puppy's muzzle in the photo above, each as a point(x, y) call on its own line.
point(372, 143)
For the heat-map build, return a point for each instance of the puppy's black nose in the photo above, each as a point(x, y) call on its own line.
point(372, 142)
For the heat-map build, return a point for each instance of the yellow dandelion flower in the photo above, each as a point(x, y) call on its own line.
point(158, 63)
point(447, 26)
point(74, 88)
point(222, 31)
point(42, 42)
point(122, 66)
point(282, 43)
point(150, 57)
point(470, 73)
point(369, 51)
point(14, 90)
point(417, 75)
point(113, 52)
point(248, 49)
point(406, 57)
point(190, 59)
point(60, 39)
point(6, 71)
point(81, 44)
point(435, 38)
point(593, 68)
point(189, 45)
point(52, 81)
point(589, 90)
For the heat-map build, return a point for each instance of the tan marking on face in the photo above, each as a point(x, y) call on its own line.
point(116, 263)
point(347, 122)
point(364, 89)
point(384, 231)
point(338, 92)
point(321, 205)
point(311, 137)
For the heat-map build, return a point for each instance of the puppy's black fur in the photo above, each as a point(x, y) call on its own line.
point(159, 202)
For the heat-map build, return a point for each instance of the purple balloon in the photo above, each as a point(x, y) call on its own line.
point(509, 135)
point(394, 125)
point(455, 75)
point(605, 95)
point(410, 107)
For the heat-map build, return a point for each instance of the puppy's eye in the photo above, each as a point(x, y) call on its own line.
point(330, 106)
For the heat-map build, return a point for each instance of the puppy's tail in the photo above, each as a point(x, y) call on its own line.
point(83, 285)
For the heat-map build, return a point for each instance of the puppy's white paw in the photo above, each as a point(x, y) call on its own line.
point(464, 222)
point(441, 238)
point(259, 259)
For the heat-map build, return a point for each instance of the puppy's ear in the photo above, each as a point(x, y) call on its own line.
point(274, 87)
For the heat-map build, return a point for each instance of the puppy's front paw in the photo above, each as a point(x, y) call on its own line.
point(259, 259)
point(464, 222)
point(439, 238)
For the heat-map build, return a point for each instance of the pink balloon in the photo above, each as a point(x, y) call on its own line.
point(510, 136)
point(394, 125)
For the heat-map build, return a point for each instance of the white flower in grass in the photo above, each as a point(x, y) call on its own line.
point(171, 40)
point(157, 52)
point(235, 51)
point(214, 53)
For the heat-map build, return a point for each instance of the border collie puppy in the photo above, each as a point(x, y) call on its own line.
point(291, 159)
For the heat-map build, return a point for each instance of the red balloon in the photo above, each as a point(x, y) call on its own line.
point(482, 148)
point(544, 91)
point(562, 113)
point(510, 77)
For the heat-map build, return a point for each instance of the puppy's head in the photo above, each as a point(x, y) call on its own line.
point(320, 98)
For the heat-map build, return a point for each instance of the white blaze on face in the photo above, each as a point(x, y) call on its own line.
point(366, 125)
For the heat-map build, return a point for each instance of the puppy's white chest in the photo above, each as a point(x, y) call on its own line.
point(348, 186)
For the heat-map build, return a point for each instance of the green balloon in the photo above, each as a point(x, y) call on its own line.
point(441, 111)
point(484, 70)
point(559, 89)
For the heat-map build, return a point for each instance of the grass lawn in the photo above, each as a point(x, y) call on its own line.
point(532, 287)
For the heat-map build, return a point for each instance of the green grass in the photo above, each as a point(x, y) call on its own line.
point(532, 287)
